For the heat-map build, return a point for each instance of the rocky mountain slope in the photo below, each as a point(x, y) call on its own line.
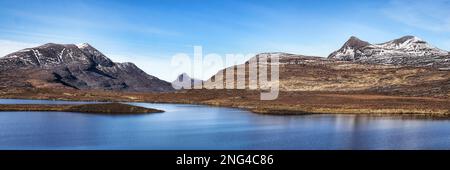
point(405, 51)
point(74, 66)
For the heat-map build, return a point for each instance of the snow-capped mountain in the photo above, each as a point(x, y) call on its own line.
point(77, 66)
point(407, 50)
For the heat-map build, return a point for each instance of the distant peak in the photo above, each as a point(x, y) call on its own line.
point(354, 38)
point(183, 75)
point(355, 42)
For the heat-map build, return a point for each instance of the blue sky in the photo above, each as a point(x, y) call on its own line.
point(150, 32)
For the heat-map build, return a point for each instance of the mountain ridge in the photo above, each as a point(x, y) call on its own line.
point(407, 51)
point(77, 66)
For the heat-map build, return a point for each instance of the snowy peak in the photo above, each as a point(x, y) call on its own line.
point(350, 50)
point(46, 55)
point(411, 45)
point(406, 39)
point(406, 42)
point(407, 50)
point(51, 54)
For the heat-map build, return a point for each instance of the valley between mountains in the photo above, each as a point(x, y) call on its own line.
point(405, 76)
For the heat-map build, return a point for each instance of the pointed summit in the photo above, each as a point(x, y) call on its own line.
point(183, 76)
point(355, 43)
point(350, 50)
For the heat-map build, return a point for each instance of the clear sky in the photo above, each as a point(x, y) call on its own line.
point(150, 32)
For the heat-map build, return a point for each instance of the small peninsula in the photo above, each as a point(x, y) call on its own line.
point(101, 108)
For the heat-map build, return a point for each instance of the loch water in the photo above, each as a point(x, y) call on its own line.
point(205, 127)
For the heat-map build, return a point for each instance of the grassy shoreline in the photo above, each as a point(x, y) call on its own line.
point(289, 103)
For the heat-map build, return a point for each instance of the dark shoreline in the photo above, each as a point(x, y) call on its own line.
point(102, 108)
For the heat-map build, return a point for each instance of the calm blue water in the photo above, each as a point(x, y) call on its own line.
point(203, 127)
